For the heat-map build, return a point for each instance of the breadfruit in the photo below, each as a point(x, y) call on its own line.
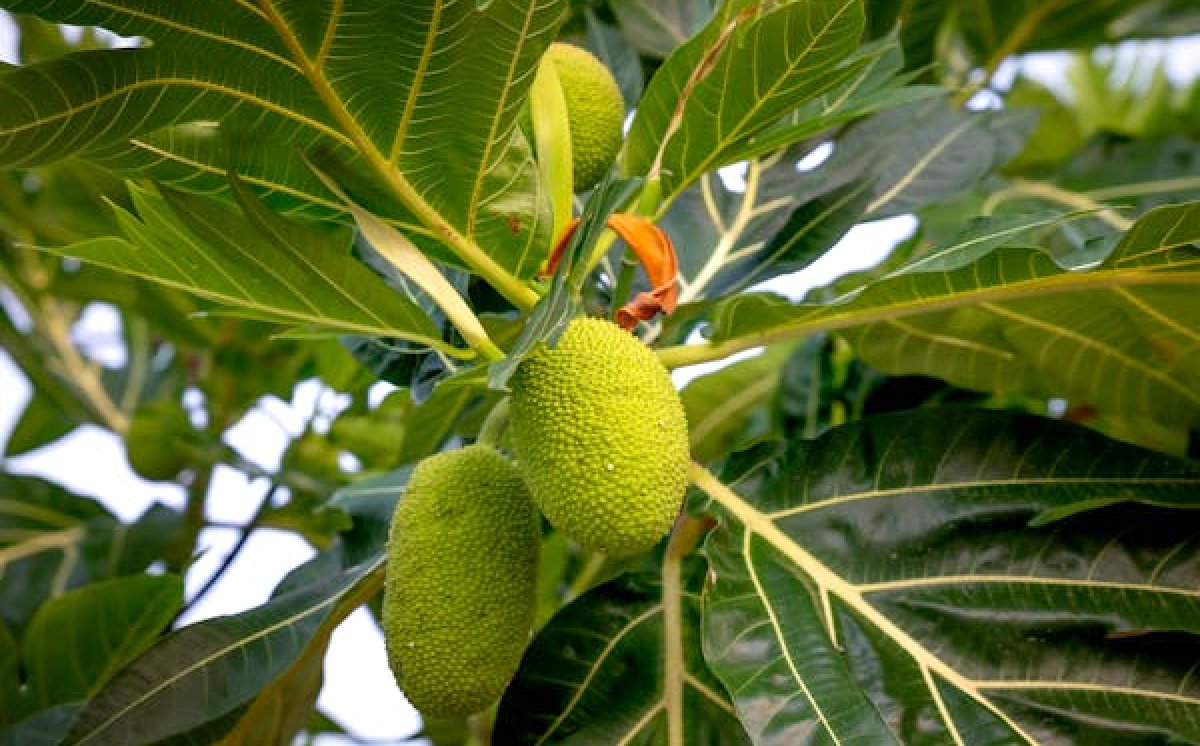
point(154, 442)
point(595, 111)
point(458, 602)
point(600, 435)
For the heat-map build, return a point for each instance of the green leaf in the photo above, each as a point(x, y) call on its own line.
point(46, 728)
point(42, 422)
point(10, 682)
point(995, 29)
point(256, 264)
point(403, 91)
point(1139, 174)
point(1115, 339)
point(45, 532)
point(657, 27)
point(751, 65)
point(1024, 25)
point(621, 665)
point(890, 583)
point(428, 425)
point(617, 53)
point(210, 669)
point(822, 385)
point(77, 641)
point(370, 504)
point(888, 164)
point(719, 404)
point(283, 708)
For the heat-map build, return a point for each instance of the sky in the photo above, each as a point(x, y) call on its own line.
point(359, 689)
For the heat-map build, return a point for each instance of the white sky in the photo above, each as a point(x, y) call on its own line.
point(359, 690)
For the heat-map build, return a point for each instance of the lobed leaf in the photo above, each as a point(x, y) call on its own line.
point(752, 64)
point(256, 264)
point(896, 582)
point(1118, 339)
point(399, 90)
point(617, 667)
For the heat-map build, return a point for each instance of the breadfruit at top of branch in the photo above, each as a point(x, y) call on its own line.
point(600, 435)
point(595, 110)
point(458, 603)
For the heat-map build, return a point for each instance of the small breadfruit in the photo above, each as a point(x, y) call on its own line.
point(600, 435)
point(154, 443)
point(595, 111)
point(458, 602)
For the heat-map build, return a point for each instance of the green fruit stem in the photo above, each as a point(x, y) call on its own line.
point(493, 427)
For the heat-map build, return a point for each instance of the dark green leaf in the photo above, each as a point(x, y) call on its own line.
point(611, 669)
point(283, 708)
point(892, 582)
point(370, 504)
point(10, 682)
point(209, 669)
point(44, 534)
point(77, 641)
point(1014, 321)
point(656, 27)
point(888, 164)
point(720, 404)
point(46, 728)
point(613, 49)
point(41, 422)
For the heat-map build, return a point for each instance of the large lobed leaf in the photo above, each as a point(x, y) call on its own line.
point(751, 65)
point(256, 264)
point(622, 665)
point(1118, 339)
point(889, 164)
point(424, 96)
point(958, 578)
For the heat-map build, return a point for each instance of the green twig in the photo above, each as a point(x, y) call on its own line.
point(492, 430)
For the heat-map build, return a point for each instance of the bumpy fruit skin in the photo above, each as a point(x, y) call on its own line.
point(601, 437)
point(153, 443)
point(595, 111)
point(459, 602)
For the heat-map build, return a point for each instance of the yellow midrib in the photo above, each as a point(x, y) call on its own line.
point(829, 582)
point(474, 256)
point(821, 319)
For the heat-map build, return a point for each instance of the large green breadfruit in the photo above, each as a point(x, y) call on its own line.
point(458, 603)
point(600, 435)
point(595, 111)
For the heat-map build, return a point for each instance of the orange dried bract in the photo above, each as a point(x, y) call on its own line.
point(654, 250)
